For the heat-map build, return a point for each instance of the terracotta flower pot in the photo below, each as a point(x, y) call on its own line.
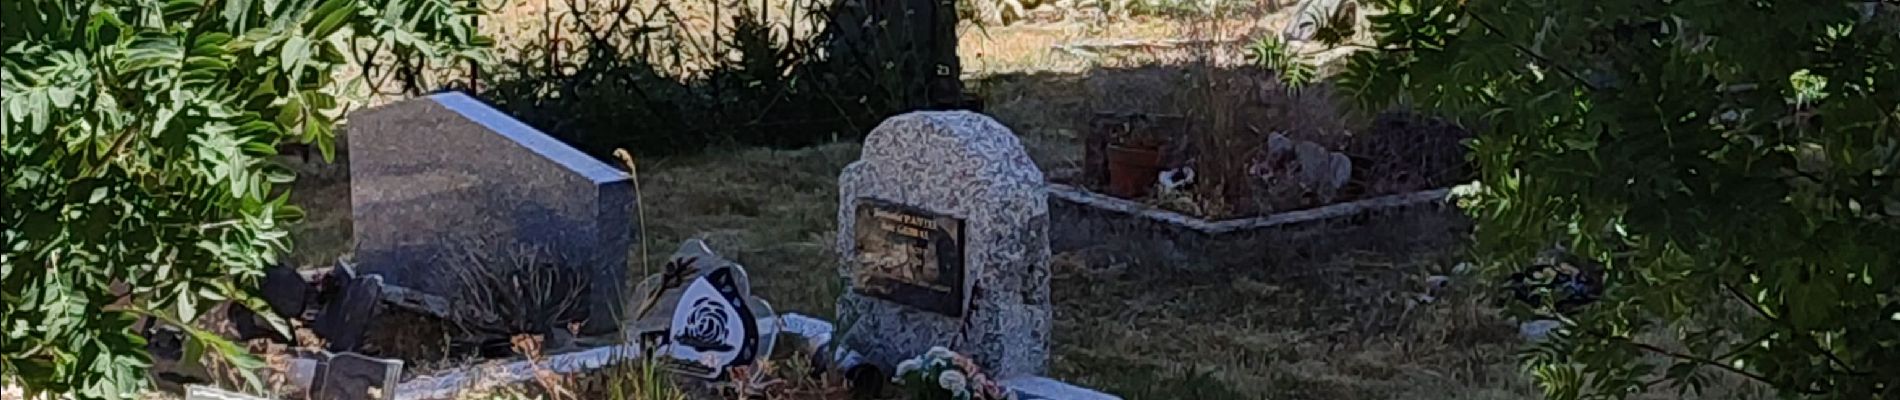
point(1132, 170)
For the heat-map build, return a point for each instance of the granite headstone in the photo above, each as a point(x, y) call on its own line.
point(428, 169)
point(943, 235)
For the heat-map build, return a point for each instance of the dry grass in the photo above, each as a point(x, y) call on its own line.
point(773, 211)
point(1040, 48)
point(1349, 328)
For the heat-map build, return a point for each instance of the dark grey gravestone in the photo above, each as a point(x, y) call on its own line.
point(428, 169)
point(943, 235)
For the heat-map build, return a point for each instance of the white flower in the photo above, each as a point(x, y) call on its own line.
point(939, 352)
point(908, 366)
point(952, 381)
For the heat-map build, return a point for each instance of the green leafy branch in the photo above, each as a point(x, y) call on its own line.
point(139, 139)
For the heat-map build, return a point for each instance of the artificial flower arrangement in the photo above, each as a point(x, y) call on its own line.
point(941, 374)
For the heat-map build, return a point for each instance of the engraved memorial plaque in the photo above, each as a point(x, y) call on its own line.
point(910, 256)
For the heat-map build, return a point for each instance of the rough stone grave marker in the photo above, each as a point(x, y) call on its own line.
point(943, 235)
point(430, 169)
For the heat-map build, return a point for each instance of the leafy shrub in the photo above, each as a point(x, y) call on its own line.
point(1403, 152)
point(1730, 164)
point(501, 293)
point(1270, 53)
point(138, 139)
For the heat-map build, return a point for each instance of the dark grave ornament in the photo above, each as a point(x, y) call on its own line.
point(910, 256)
point(330, 285)
point(284, 290)
point(344, 321)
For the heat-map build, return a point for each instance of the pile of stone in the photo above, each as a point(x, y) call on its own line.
point(1296, 174)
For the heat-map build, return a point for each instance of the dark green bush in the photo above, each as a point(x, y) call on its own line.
point(634, 81)
point(138, 143)
point(1731, 164)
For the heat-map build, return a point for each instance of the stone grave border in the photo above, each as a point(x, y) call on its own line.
point(817, 334)
point(1082, 219)
point(449, 384)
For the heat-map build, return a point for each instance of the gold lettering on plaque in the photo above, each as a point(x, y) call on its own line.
point(909, 255)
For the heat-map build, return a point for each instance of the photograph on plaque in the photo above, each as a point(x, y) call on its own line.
point(909, 256)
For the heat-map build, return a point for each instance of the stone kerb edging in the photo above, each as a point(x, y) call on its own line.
point(1215, 227)
point(816, 333)
point(449, 384)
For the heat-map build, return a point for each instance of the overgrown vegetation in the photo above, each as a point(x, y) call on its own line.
point(137, 143)
point(500, 293)
point(637, 75)
point(1732, 164)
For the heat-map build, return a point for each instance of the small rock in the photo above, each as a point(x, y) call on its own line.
point(1463, 268)
point(1299, 173)
point(1177, 178)
point(1537, 330)
point(1437, 282)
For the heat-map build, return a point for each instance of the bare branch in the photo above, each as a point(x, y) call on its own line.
point(1812, 341)
point(1546, 61)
